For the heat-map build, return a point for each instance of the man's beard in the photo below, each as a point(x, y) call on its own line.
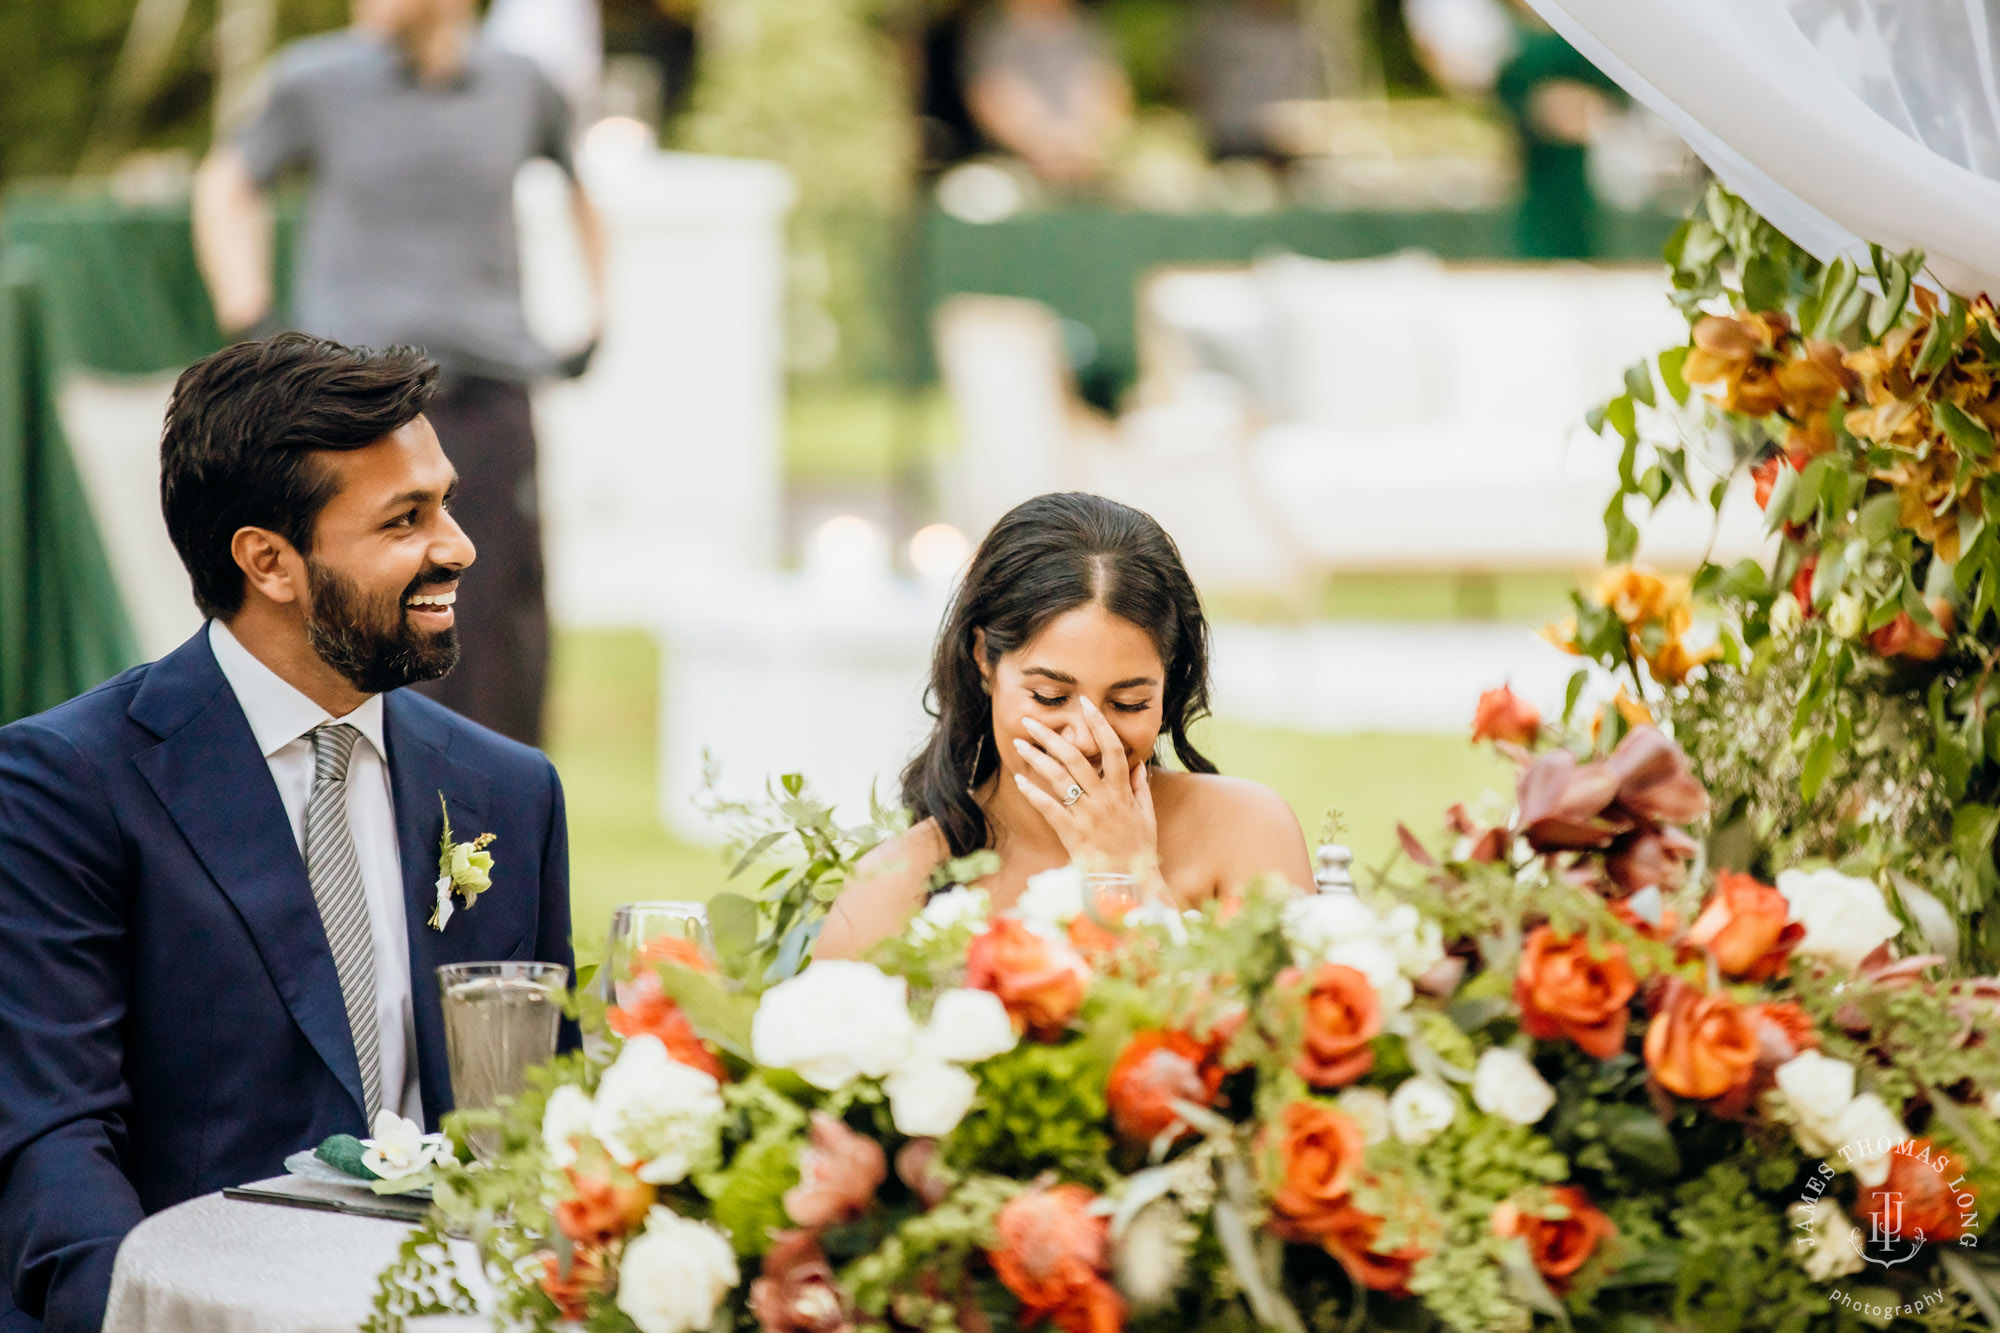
point(371, 641)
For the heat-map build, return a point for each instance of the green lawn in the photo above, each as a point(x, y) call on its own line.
point(603, 728)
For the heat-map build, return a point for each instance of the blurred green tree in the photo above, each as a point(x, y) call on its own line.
point(59, 102)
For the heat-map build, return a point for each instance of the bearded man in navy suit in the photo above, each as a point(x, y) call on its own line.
point(217, 872)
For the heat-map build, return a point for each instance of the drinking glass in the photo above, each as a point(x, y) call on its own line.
point(499, 1019)
point(1109, 898)
point(639, 932)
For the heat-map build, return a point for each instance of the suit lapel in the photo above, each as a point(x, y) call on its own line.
point(210, 776)
point(421, 770)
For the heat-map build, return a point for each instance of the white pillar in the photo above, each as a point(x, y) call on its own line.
point(664, 462)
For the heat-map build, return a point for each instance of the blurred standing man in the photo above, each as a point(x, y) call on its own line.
point(410, 128)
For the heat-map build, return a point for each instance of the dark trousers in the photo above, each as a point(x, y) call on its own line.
point(503, 613)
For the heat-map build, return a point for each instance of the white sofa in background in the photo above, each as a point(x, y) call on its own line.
point(1298, 416)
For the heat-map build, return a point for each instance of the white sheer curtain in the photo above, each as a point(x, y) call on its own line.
point(1841, 121)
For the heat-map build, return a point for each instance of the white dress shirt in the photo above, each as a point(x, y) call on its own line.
point(280, 718)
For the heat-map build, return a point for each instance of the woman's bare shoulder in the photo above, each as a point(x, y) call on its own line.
point(1242, 829)
point(1212, 796)
point(886, 890)
point(909, 856)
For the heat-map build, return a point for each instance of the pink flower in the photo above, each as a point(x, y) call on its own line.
point(838, 1175)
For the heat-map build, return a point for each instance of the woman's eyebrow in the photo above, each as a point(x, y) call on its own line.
point(1049, 673)
point(1133, 683)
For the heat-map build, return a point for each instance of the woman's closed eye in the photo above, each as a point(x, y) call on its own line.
point(1114, 705)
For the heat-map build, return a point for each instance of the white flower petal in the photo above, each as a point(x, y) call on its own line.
point(833, 1023)
point(1507, 1084)
point(967, 1026)
point(674, 1276)
point(928, 1099)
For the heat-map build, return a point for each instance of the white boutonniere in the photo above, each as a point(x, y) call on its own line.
point(464, 866)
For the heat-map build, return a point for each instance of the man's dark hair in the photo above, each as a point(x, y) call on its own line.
point(242, 428)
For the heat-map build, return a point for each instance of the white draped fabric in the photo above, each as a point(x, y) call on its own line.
point(1841, 121)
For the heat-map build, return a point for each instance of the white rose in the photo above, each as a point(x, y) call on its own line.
point(833, 1023)
point(1316, 922)
point(1993, 1102)
point(1786, 616)
point(1823, 1240)
point(564, 1119)
point(927, 1098)
point(1817, 1088)
point(952, 908)
point(1052, 898)
point(401, 1148)
point(1418, 944)
point(1367, 1108)
point(1844, 617)
point(967, 1026)
point(1374, 960)
point(1421, 1110)
point(1866, 1133)
point(1505, 1083)
point(1845, 918)
point(655, 1114)
point(674, 1277)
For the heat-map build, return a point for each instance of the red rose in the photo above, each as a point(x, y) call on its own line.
point(1350, 1237)
point(1561, 1239)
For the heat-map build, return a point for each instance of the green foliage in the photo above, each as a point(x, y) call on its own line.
point(1041, 1109)
point(420, 1282)
point(814, 85)
point(767, 937)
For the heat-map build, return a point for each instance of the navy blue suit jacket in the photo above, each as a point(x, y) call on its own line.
point(170, 1019)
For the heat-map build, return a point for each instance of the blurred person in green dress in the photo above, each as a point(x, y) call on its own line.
point(1557, 100)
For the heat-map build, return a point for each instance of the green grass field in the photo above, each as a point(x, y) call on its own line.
point(603, 729)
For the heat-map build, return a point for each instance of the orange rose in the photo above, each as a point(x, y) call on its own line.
point(1902, 637)
point(1561, 1239)
point(1156, 1070)
point(1503, 715)
point(1566, 990)
point(1765, 475)
point(648, 1011)
point(1052, 1257)
point(1040, 980)
point(1929, 1185)
point(1746, 929)
point(1320, 1151)
point(603, 1206)
point(838, 1174)
point(1350, 1238)
point(1342, 1016)
point(1701, 1044)
point(1783, 1031)
point(571, 1293)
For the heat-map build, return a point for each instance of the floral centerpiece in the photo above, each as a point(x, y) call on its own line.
point(1557, 1074)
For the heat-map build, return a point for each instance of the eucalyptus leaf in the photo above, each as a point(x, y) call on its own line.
point(1879, 516)
point(718, 1015)
point(1621, 537)
point(1671, 361)
point(1818, 762)
point(732, 923)
point(1639, 382)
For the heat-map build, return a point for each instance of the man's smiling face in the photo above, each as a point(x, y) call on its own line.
point(382, 574)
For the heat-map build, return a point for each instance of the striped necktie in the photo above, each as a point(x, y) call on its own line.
point(335, 874)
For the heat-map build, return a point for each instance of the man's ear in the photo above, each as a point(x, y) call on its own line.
point(272, 568)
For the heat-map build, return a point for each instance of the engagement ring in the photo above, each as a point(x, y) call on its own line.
point(1073, 795)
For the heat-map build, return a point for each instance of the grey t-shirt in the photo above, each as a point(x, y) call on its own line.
point(1050, 57)
point(409, 224)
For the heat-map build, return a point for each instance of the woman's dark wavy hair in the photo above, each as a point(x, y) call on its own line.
point(1050, 555)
